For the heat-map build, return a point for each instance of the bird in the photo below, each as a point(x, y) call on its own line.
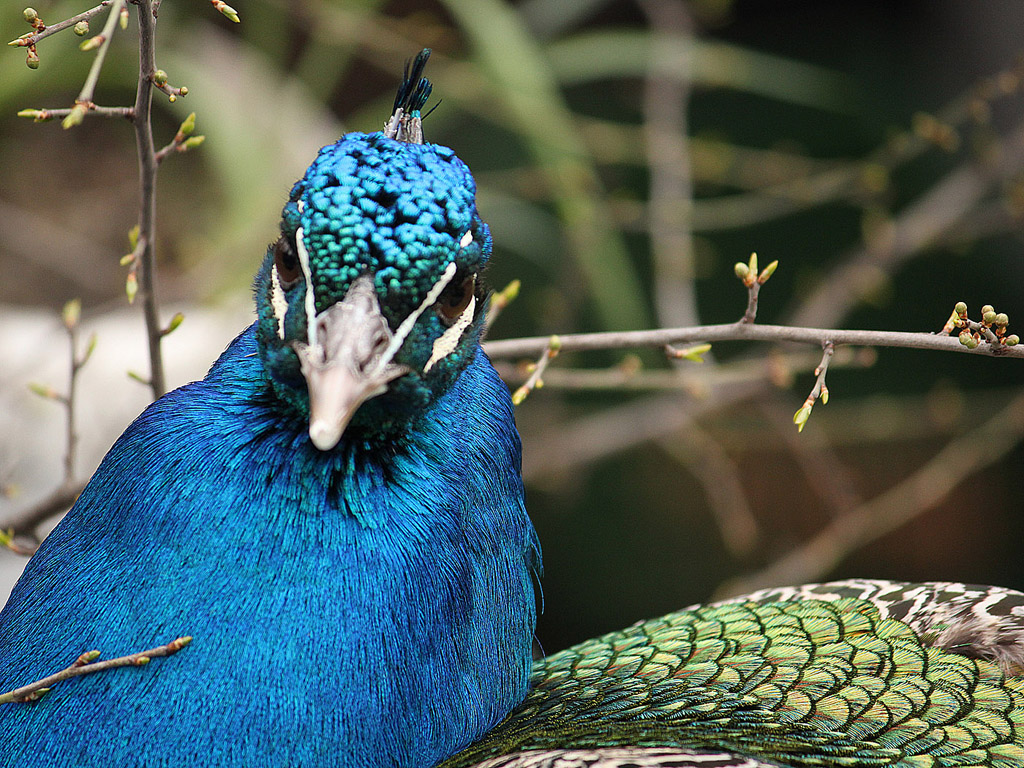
point(335, 515)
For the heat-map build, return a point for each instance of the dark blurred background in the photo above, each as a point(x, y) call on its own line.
point(627, 155)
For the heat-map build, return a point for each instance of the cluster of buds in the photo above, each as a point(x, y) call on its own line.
point(991, 329)
point(748, 272)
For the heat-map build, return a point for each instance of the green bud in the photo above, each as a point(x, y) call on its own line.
point(752, 264)
point(160, 77)
point(987, 308)
point(227, 10)
point(133, 237)
point(972, 343)
point(82, 28)
point(30, 15)
point(965, 337)
point(72, 313)
point(193, 141)
point(1012, 340)
point(183, 90)
point(131, 287)
point(988, 318)
point(768, 272)
point(188, 125)
point(960, 308)
point(123, 21)
point(89, 349)
point(75, 116)
point(741, 270)
point(32, 60)
point(801, 416)
point(43, 391)
point(172, 326)
point(92, 43)
point(1002, 319)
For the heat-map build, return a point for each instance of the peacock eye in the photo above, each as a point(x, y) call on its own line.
point(286, 262)
point(455, 299)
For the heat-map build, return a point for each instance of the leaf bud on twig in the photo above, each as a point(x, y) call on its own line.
point(82, 28)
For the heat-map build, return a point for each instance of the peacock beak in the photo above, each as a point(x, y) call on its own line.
point(347, 362)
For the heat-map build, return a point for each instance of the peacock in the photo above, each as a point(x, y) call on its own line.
point(335, 514)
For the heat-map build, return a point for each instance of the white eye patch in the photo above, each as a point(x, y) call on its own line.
point(278, 301)
point(303, 254)
point(446, 343)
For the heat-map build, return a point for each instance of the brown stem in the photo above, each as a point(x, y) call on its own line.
point(54, 28)
point(86, 664)
point(530, 346)
point(147, 193)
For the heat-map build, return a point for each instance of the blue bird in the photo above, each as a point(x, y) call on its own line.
point(335, 514)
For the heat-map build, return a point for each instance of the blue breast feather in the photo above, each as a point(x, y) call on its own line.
point(374, 600)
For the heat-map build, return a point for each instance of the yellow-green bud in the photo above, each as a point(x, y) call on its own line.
point(30, 15)
point(960, 308)
point(71, 313)
point(741, 270)
point(183, 90)
point(1012, 340)
point(965, 337)
point(160, 77)
point(188, 125)
point(75, 116)
point(193, 141)
point(767, 272)
point(32, 60)
point(987, 308)
point(92, 43)
point(988, 318)
point(1002, 319)
point(972, 343)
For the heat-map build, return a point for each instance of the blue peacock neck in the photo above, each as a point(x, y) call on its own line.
point(393, 583)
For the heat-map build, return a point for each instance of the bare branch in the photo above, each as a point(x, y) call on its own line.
point(86, 664)
point(666, 96)
point(25, 522)
point(44, 115)
point(31, 40)
point(146, 262)
point(535, 380)
point(577, 342)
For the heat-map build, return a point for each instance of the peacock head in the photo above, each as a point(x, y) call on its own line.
point(371, 300)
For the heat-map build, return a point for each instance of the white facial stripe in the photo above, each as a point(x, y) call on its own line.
point(446, 343)
point(300, 249)
point(278, 301)
point(406, 327)
point(466, 239)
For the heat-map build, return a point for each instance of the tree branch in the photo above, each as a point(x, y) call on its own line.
point(86, 664)
point(534, 345)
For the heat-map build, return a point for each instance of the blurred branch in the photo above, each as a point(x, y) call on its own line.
point(936, 213)
point(961, 458)
point(666, 96)
point(30, 40)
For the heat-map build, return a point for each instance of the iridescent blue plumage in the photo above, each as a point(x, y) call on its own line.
point(374, 598)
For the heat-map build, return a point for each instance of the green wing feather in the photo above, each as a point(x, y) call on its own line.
point(807, 683)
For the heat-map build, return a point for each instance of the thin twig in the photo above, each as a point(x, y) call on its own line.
point(535, 380)
point(819, 390)
point(43, 115)
point(534, 345)
point(147, 194)
point(54, 28)
point(86, 664)
point(957, 461)
point(85, 96)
